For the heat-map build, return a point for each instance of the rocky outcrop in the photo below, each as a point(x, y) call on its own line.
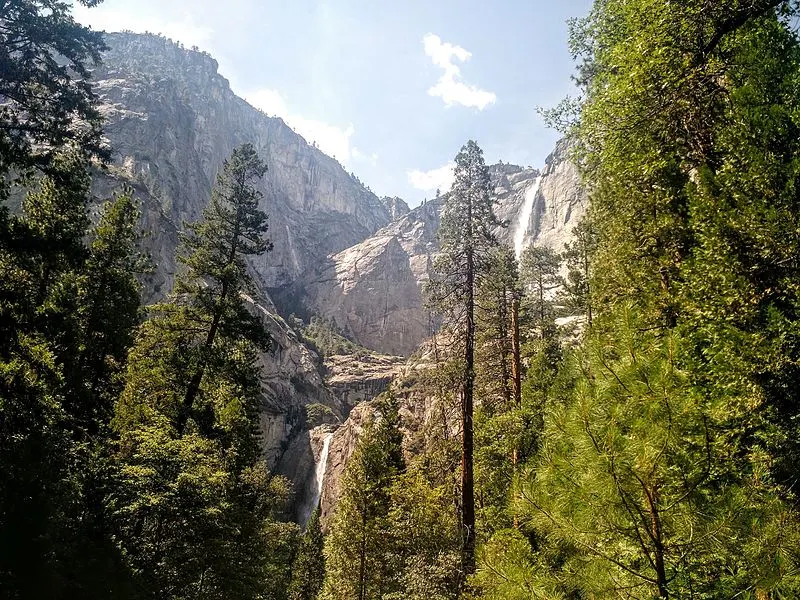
point(353, 378)
point(172, 119)
point(373, 291)
point(397, 207)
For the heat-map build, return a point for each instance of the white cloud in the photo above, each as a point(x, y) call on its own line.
point(106, 18)
point(428, 181)
point(450, 87)
point(364, 157)
point(331, 139)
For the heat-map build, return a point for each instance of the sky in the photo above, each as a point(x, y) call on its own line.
point(391, 89)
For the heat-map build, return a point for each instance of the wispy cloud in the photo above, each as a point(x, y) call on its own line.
point(371, 158)
point(331, 139)
point(436, 179)
point(451, 88)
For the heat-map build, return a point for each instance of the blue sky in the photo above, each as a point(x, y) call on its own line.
point(392, 89)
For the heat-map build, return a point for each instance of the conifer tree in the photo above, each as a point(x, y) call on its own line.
point(539, 267)
point(496, 294)
point(636, 476)
point(578, 258)
point(48, 104)
point(308, 567)
point(497, 392)
point(466, 239)
point(194, 506)
point(53, 510)
point(675, 442)
point(359, 549)
point(233, 228)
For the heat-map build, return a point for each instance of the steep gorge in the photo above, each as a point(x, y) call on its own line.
point(340, 252)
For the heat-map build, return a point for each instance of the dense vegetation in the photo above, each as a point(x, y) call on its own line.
point(655, 455)
point(648, 448)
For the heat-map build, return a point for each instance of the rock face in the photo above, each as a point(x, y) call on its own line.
point(373, 290)
point(353, 379)
point(340, 251)
point(171, 121)
point(396, 206)
point(558, 205)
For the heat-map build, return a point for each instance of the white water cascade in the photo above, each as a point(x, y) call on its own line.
point(314, 487)
point(525, 216)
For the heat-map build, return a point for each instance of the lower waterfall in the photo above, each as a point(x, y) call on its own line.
point(314, 487)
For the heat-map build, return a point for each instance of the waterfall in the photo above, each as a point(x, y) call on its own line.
point(314, 487)
point(525, 216)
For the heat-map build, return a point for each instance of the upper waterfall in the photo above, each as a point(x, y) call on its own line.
point(525, 216)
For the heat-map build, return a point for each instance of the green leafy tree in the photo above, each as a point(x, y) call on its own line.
point(466, 239)
point(53, 510)
point(637, 478)
point(578, 254)
point(233, 228)
point(427, 544)
point(498, 386)
point(539, 268)
point(679, 435)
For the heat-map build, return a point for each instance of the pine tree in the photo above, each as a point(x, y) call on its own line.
point(425, 535)
point(666, 472)
point(359, 551)
point(106, 311)
point(539, 268)
point(194, 507)
point(466, 239)
point(636, 477)
point(498, 395)
point(233, 228)
point(56, 450)
point(494, 300)
point(48, 104)
point(308, 567)
point(578, 255)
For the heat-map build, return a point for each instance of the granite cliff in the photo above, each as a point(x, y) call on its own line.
point(373, 290)
point(340, 252)
point(171, 120)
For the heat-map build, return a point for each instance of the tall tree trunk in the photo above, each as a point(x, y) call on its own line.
point(362, 559)
point(502, 334)
point(197, 377)
point(467, 444)
point(516, 360)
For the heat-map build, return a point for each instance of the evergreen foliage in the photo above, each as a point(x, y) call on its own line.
point(466, 238)
point(194, 506)
point(308, 567)
point(668, 462)
point(361, 560)
point(48, 104)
